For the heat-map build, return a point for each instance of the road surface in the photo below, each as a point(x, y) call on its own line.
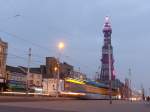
point(74, 106)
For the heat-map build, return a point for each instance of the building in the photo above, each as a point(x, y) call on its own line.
point(51, 63)
point(34, 78)
point(65, 70)
point(43, 71)
point(16, 79)
point(106, 50)
point(117, 84)
point(127, 89)
point(3, 57)
point(52, 66)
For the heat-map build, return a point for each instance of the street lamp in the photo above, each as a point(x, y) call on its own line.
point(55, 69)
point(60, 46)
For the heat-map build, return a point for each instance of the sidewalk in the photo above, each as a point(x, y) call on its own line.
point(31, 98)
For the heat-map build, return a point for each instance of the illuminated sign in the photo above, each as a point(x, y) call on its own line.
point(75, 81)
point(1, 80)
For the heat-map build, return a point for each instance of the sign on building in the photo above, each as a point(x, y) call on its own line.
point(50, 86)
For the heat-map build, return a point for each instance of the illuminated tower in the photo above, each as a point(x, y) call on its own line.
point(106, 50)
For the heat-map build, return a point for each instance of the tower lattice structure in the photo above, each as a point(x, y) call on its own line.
point(107, 50)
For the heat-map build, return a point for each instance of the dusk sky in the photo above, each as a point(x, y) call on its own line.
point(41, 24)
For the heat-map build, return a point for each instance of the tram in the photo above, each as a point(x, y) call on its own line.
point(90, 88)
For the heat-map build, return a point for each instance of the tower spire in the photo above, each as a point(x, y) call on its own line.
point(107, 20)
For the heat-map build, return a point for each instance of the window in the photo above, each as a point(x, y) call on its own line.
point(38, 83)
point(31, 82)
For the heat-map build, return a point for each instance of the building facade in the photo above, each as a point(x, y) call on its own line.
point(35, 79)
point(106, 50)
point(65, 70)
point(52, 67)
point(16, 79)
point(51, 63)
point(127, 90)
point(3, 57)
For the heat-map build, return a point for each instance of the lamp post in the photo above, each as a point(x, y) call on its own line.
point(60, 46)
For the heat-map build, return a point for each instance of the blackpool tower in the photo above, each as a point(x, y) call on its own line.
point(107, 60)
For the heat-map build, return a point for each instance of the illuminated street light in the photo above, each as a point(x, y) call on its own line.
point(61, 46)
point(55, 69)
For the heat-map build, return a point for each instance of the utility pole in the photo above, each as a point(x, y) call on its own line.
point(28, 71)
point(60, 46)
point(130, 85)
point(110, 82)
point(58, 77)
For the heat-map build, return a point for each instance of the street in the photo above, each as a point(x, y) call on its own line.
point(75, 106)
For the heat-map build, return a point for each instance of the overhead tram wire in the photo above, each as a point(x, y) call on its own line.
point(25, 40)
point(12, 56)
point(42, 57)
point(35, 44)
point(32, 43)
point(25, 53)
point(37, 61)
point(34, 55)
point(85, 66)
point(24, 58)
